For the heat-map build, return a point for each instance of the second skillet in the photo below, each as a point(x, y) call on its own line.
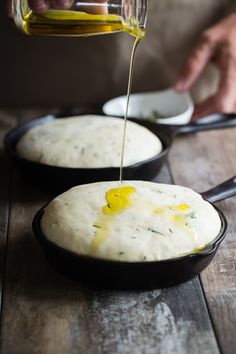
point(61, 178)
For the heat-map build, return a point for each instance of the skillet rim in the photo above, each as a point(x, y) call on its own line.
point(208, 250)
point(10, 144)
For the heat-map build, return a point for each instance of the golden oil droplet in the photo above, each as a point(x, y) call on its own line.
point(118, 200)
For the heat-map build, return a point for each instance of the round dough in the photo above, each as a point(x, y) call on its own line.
point(157, 222)
point(88, 142)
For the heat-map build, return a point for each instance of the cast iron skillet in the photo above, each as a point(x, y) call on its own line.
point(143, 275)
point(61, 178)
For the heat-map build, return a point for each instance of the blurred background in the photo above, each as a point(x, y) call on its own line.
point(46, 71)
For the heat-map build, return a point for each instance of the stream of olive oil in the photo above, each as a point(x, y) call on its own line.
point(131, 71)
point(76, 23)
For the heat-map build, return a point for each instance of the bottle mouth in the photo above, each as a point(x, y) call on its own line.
point(135, 10)
point(130, 10)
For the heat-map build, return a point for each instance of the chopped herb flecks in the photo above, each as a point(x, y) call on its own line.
point(97, 226)
point(155, 232)
point(171, 231)
point(82, 151)
point(192, 215)
point(121, 253)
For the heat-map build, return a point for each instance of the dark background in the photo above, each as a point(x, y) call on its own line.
point(57, 71)
point(49, 71)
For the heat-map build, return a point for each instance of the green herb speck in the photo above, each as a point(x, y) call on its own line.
point(155, 115)
point(192, 215)
point(155, 232)
point(97, 226)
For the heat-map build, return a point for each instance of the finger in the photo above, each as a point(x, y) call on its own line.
point(225, 99)
point(204, 109)
point(195, 64)
point(39, 6)
point(62, 4)
point(223, 102)
point(101, 8)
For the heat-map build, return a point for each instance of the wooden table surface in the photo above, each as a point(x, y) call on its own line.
point(43, 312)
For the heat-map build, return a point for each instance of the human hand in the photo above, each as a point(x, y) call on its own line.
point(41, 6)
point(217, 45)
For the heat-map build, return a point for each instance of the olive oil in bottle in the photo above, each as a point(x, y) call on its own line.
point(84, 18)
point(75, 23)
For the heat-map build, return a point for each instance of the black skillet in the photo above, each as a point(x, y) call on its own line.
point(61, 178)
point(141, 275)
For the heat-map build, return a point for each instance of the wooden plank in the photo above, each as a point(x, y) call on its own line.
point(7, 121)
point(202, 161)
point(47, 313)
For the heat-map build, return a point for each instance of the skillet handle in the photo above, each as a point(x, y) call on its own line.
point(221, 192)
point(214, 121)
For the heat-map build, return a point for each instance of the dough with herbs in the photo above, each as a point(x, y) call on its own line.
point(141, 221)
point(88, 142)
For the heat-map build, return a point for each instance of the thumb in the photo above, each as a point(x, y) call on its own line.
point(205, 108)
point(195, 64)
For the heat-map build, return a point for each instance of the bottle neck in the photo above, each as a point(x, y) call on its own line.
point(135, 14)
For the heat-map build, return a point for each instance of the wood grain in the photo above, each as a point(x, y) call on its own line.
point(43, 312)
point(202, 161)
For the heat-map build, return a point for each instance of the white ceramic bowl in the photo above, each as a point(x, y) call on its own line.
point(165, 107)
